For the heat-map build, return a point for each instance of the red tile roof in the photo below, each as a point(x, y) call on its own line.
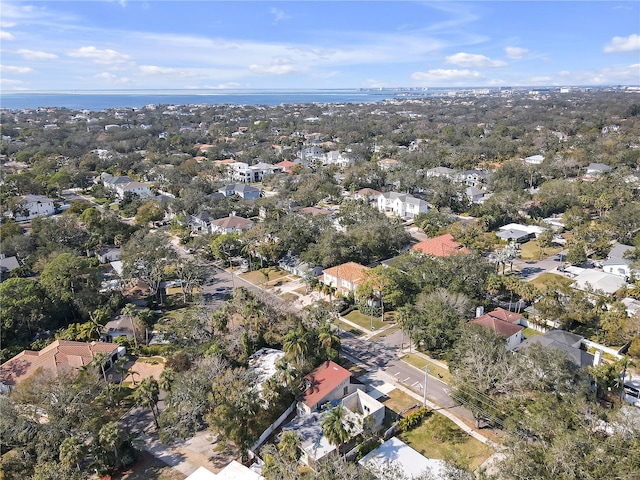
point(505, 329)
point(442, 246)
point(324, 380)
point(61, 354)
point(352, 272)
point(506, 315)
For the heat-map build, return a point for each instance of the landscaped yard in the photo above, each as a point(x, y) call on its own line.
point(348, 328)
point(531, 250)
point(552, 280)
point(439, 437)
point(365, 321)
point(434, 369)
point(399, 401)
point(530, 332)
point(257, 277)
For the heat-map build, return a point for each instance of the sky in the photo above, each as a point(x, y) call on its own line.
point(68, 45)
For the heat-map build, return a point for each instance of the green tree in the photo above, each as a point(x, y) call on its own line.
point(329, 341)
point(149, 211)
point(576, 254)
point(296, 343)
point(25, 307)
point(335, 426)
point(72, 451)
point(145, 256)
point(146, 395)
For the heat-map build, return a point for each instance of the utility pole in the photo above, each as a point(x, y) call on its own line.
point(426, 376)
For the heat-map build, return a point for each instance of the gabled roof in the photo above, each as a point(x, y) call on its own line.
point(442, 246)
point(561, 340)
point(324, 380)
point(350, 271)
point(368, 192)
point(232, 221)
point(60, 355)
point(502, 328)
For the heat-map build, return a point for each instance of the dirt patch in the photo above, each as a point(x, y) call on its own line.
point(143, 369)
point(150, 468)
point(207, 450)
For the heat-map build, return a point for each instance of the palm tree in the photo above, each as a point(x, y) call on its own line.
point(99, 360)
point(288, 445)
point(167, 377)
point(146, 396)
point(111, 437)
point(130, 311)
point(328, 339)
point(333, 427)
point(296, 342)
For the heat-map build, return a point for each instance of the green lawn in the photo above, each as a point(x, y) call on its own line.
point(530, 332)
point(531, 250)
point(348, 328)
point(438, 437)
point(434, 369)
point(384, 333)
point(546, 279)
point(365, 321)
point(257, 278)
point(399, 401)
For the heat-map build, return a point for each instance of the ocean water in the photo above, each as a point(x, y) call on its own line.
point(136, 99)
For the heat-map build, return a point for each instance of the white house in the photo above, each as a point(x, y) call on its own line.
point(32, 206)
point(122, 185)
point(395, 453)
point(402, 204)
point(616, 263)
point(230, 224)
point(336, 158)
point(243, 172)
point(534, 159)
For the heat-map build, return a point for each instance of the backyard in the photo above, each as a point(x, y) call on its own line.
point(531, 250)
point(551, 280)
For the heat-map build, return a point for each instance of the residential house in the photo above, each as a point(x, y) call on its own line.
point(233, 471)
point(472, 178)
point(310, 154)
point(61, 355)
point(402, 204)
point(534, 159)
point(594, 170)
point(108, 254)
point(121, 326)
point(617, 264)
point(124, 184)
point(241, 189)
point(368, 194)
point(394, 453)
point(388, 164)
point(510, 331)
point(313, 445)
point(336, 158)
point(516, 232)
point(32, 206)
point(441, 246)
point(7, 265)
point(592, 280)
point(442, 172)
point(286, 166)
point(230, 224)
point(345, 278)
point(201, 222)
point(567, 342)
point(245, 173)
point(294, 265)
point(326, 384)
point(363, 411)
point(475, 195)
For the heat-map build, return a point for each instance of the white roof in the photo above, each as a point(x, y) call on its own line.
point(410, 461)
point(607, 282)
point(312, 439)
point(524, 228)
point(233, 471)
point(202, 474)
point(117, 266)
point(263, 364)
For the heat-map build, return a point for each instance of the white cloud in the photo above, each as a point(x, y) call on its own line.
point(6, 36)
point(12, 69)
point(36, 55)
point(106, 56)
point(278, 15)
point(473, 61)
point(111, 78)
point(281, 69)
point(165, 71)
point(516, 53)
point(7, 24)
point(623, 44)
point(9, 81)
point(444, 75)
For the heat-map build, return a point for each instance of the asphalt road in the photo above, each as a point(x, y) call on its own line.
point(383, 354)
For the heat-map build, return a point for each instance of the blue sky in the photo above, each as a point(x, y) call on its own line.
point(153, 44)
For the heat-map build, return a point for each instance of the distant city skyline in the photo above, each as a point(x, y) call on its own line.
point(130, 44)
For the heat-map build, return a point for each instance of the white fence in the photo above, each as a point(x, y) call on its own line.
point(273, 426)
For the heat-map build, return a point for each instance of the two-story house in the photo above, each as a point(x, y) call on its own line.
point(403, 205)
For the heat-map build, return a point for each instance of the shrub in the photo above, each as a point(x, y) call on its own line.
point(414, 419)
